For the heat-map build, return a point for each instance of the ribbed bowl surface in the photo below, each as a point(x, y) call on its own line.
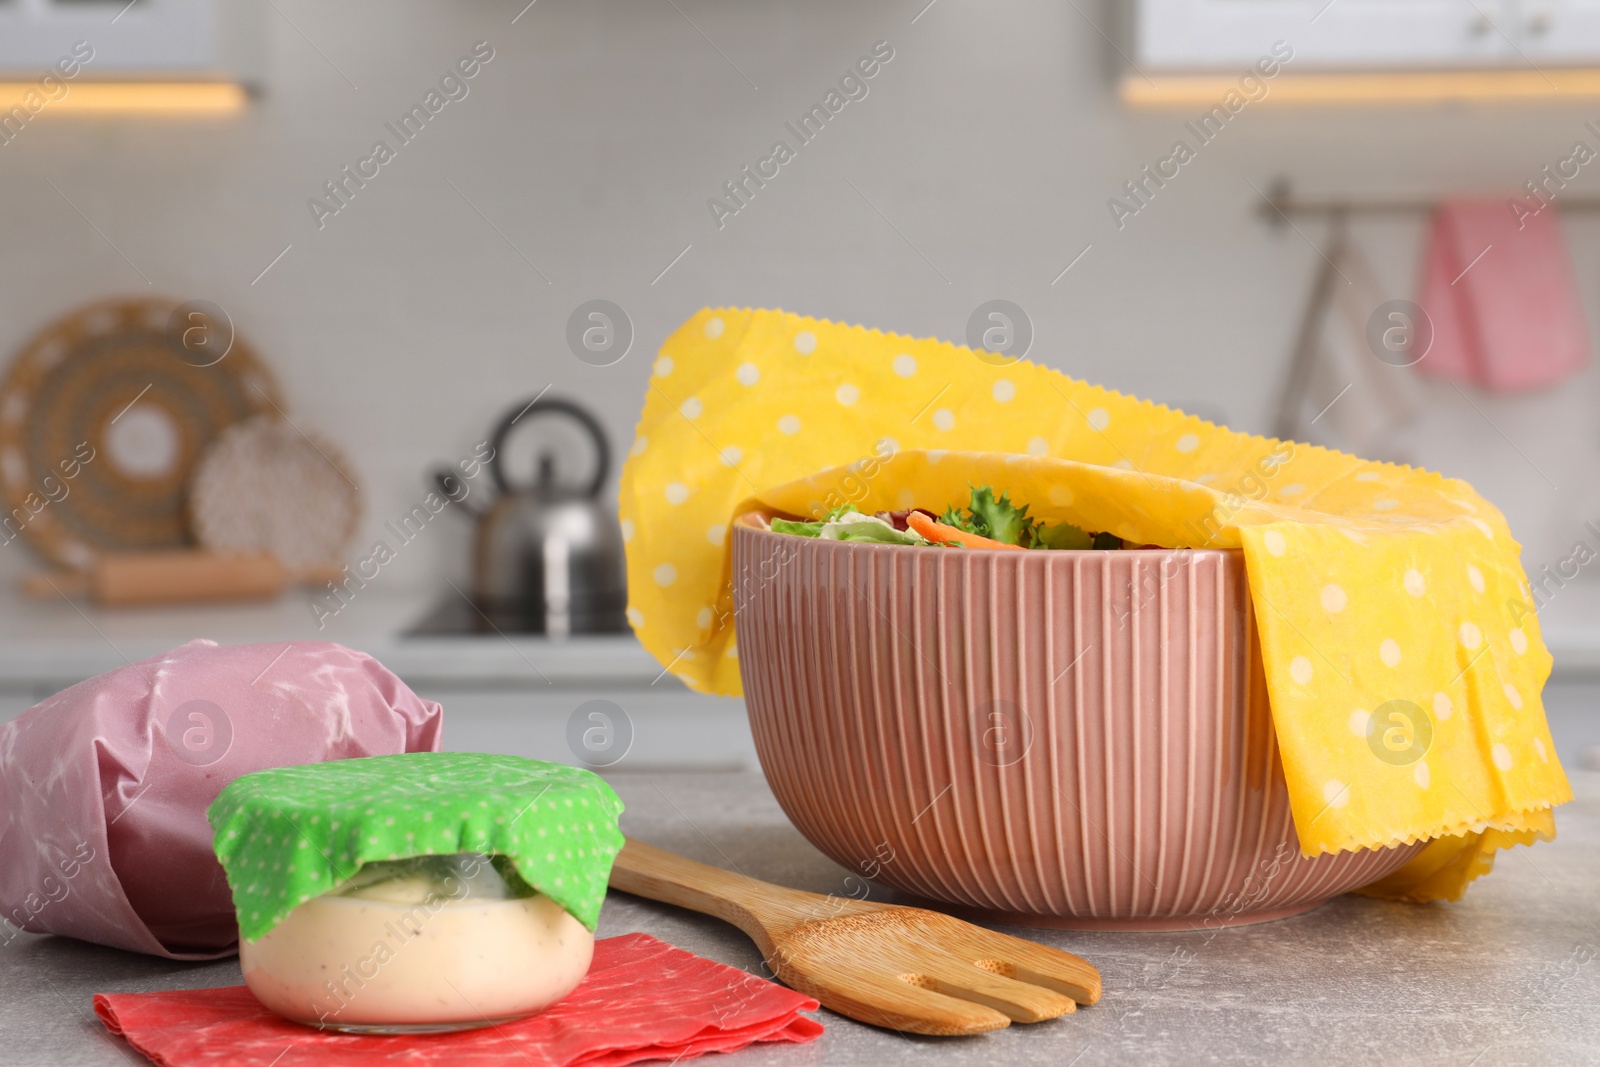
point(1061, 738)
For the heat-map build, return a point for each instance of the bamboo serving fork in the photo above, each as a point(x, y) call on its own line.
point(902, 968)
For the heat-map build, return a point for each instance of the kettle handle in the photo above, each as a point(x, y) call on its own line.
point(540, 405)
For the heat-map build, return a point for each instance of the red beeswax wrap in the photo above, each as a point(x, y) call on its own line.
point(643, 999)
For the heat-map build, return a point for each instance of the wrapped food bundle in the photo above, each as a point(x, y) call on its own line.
point(417, 892)
point(1397, 634)
point(104, 787)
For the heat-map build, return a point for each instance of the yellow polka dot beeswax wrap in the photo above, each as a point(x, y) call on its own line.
point(1403, 659)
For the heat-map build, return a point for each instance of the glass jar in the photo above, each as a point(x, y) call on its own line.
point(420, 945)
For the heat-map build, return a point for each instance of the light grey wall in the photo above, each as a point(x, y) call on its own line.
point(592, 140)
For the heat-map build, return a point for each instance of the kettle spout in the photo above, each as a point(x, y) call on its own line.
point(455, 489)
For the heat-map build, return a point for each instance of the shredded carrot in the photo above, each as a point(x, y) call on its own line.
point(939, 533)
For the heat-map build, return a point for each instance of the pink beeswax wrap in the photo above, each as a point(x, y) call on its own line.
point(104, 786)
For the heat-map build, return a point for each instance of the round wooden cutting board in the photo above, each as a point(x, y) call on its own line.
point(268, 486)
point(103, 417)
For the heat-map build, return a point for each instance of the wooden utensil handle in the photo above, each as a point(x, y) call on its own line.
point(750, 904)
point(177, 576)
point(49, 585)
point(184, 575)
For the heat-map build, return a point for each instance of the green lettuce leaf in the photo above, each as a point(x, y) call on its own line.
point(999, 520)
point(880, 533)
point(811, 528)
point(953, 517)
point(1061, 535)
point(799, 529)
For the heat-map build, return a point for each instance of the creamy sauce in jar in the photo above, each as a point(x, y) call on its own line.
point(396, 960)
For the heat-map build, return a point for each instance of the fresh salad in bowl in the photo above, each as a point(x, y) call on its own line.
point(988, 521)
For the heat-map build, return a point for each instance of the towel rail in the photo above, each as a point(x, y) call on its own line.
point(1279, 205)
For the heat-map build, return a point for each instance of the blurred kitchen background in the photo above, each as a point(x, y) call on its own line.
point(983, 159)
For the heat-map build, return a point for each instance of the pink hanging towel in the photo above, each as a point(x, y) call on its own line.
point(1505, 310)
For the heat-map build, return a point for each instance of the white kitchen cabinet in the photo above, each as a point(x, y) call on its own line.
point(1559, 32)
point(149, 38)
point(1175, 35)
point(512, 695)
point(672, 728)
point(1572, 708)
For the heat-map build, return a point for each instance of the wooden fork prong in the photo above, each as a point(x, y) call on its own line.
point(908, 969)
point(1019, 1000)
point(1041, 965)
point(906, 1006)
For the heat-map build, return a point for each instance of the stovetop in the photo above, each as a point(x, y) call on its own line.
point(455, 614)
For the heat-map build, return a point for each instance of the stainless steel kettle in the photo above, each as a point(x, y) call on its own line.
point(548, 557)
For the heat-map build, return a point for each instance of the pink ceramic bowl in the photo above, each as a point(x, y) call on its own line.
point(1076, 739)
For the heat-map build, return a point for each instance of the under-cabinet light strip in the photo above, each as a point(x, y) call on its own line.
point(1385, 87)
point(133, 96)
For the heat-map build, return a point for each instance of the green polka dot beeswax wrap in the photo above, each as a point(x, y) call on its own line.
point(1393, 613)
point(290, 834)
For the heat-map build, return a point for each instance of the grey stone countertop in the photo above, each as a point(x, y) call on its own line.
point(1508, 975)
